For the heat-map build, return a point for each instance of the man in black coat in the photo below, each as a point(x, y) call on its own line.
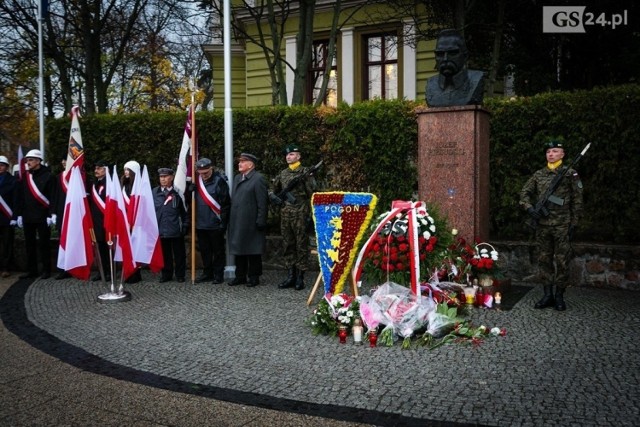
point(213, 204)
point(171, 216)
point(248, 221)
point(7, 221)
point(97, 199)
point(35, 212)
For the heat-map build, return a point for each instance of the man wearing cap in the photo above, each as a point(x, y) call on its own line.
point(7, 221)
point(554, 232)
point(97, 199)
point(248, 221)
point(213, 204)
point(35, 212)
point(171, 216)
point(293, 217)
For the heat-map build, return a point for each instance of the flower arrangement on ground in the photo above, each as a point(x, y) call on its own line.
point(333, 311)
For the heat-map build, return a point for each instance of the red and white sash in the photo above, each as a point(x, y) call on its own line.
point(125, 196)
point(97, 199)
point(5, 209)
point(35, 191)
point(208, 198)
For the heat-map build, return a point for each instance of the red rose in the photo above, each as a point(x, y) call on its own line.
point(403, 247)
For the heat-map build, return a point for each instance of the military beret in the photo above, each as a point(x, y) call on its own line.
point(291, 148)
point(247, 156)
point(165, 171)
point(553, 143)
point(204, 163)
point(102, 164)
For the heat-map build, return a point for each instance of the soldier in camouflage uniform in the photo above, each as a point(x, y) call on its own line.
point(554, 232)
point(294, 214)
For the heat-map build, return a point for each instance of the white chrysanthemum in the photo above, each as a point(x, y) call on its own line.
point(494, 255)
point(426, 235)
point(431, 219)
point(495, 331)
point(432, 228)
point(350, 313)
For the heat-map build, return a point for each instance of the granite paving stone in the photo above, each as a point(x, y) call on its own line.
point(251, 348)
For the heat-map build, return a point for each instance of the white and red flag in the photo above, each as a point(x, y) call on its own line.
point(145, 237)
point(75, 254)
point(184, 172)
point(75, 152)
point(132, 204)
point(116, 225)
point(22, 162)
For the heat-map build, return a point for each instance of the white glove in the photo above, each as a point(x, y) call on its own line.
point(49, 222)
point(19, 222)
point(54, 219)
point(13, 223)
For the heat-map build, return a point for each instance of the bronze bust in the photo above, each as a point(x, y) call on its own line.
point(455, 84)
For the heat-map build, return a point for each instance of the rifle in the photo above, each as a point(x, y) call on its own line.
point(540, 209)
point(285, 194)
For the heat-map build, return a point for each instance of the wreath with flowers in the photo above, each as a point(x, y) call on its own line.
point(388, 256)
point(341, 220)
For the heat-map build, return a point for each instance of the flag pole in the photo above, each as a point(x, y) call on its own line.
point(194, 154)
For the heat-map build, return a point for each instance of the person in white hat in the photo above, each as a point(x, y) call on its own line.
point(7, 216)
point(34, 211)
point(131, 173)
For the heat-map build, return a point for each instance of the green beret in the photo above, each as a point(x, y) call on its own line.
point(291, 148)
point(553, 143)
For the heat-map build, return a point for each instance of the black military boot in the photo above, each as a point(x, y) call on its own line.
point(560, 304)
point(300, 280)
point(218, 276)
point(253, 281)
point(547, 300)
point(290, 281)
point(238, 281)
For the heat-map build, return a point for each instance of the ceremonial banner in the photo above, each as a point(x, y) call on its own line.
point(341, 220)
point(145, 237)
point(75, 255)
point(184, 173)
point(75, 152)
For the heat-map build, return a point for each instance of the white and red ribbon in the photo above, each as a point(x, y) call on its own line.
point(35, 191)
point(5, 209)
point(208, 198)
point(97, 199)
point(397, 207)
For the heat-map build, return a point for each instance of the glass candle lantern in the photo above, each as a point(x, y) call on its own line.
point(357, 331)
point(342, 334)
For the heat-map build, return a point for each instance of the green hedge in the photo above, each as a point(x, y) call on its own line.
point(372, 146)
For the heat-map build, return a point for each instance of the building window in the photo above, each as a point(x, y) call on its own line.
point(317, 72)
point(381, 66)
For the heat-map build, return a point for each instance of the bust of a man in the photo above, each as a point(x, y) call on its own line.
point(455, 84)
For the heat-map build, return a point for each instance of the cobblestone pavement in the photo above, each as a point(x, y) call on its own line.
point(250, 347)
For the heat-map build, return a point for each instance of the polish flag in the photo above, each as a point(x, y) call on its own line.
point(116, 225)
point(75, 255)
point(145, 237)
point(132, 206)
point(75, 152)
point(22, 162)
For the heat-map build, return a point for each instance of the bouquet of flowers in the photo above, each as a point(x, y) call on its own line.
point(484, 259)
point(333, 311)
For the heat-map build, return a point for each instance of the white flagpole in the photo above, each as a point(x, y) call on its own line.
point(228, 116)
point(41, 77)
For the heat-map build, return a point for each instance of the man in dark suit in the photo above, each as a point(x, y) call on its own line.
point(35, 212)
point(248, 221)
point(97, 198)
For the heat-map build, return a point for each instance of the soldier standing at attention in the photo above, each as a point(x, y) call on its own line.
point(554, 231)
point(293, 217)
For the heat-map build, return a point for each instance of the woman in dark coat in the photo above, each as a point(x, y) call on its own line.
point(248, 221)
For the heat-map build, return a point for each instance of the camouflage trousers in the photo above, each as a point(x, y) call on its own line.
point(294, 237)
point(554, 254)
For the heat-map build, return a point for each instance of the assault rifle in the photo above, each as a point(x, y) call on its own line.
point(540, 208)
point(285, 194)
